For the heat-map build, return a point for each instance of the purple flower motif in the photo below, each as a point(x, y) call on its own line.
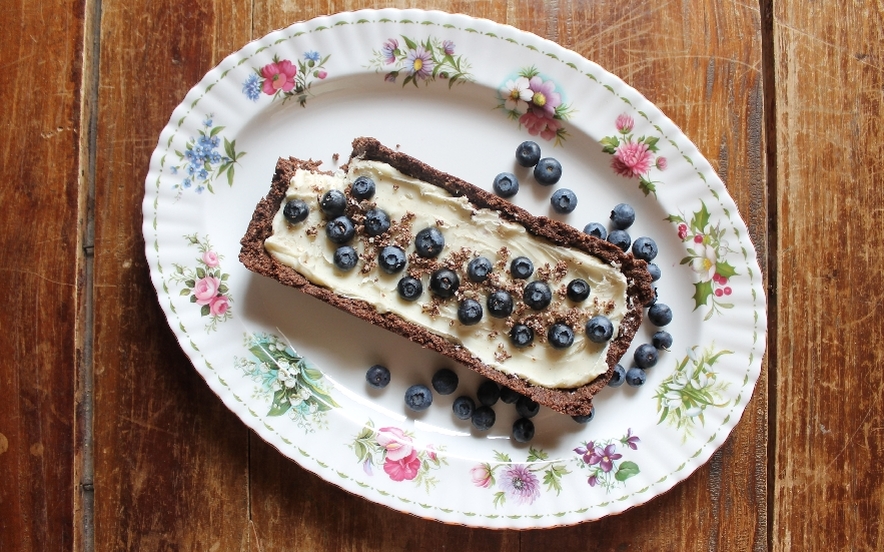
point(604, 457)
point(391, 77)
point(544, 97)
point(448, 47)
point(520, 484)
point(420, 63)
point(631, 440)
point(593, 480)
point(389, 50)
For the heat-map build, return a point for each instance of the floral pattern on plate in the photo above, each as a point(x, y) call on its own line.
point(518, 482)
point(283, 79)
point(420, 62)
point(201, 162)
point(394, 451)
point(205, 283)
point(634, 157)
point(607, 467)
point(536, 103)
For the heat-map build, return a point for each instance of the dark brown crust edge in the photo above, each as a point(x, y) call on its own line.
point(572, 402)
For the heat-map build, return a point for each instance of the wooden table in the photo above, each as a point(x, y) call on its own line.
point(110, 440)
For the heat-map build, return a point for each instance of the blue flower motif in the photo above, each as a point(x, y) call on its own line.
point(203, 174)
point(174, 169)
point(252, 87)
point(312, 55)
point(208, 122)
point(187, 183)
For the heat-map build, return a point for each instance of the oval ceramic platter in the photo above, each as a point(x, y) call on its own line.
point(460, 94)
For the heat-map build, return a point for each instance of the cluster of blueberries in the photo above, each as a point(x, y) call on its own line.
point(547, 172)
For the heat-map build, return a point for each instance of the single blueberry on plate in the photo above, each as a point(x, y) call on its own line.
point(563, 201)
point(463, 407)
point(636, 377)
point(345, 257)
point(478, 269)
point(333, 203)
point(645, 355)
point(618, 377)
point(526, 407)
point(654, 271)
point(362, 188)
point(340, 230)
point(429, 242)
point(577, 290)
point(548, 171)
point(500, 304)
point(469, 312)
point(528, 153)
point(596, 229)
point(537, 295)
point(409, 288)
point(444, 282)
point(391, 259)
point(644, 248)
point(662, 340)
point(483, 418)
point(295, 211)
point(445, 381)
point(523, 430)
point(599, 329)
point(378, 376)
point(418, 397)
point(521, 335)
point(488, 393)
point(376, 222)
point(622, 216)
point(660, 314)
point(560, 336)
point(620, 238)
point(506, 184)
point(509, 396)
point(586, 418)
point(521, 268)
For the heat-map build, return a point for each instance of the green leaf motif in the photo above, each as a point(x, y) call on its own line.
point(626, 470)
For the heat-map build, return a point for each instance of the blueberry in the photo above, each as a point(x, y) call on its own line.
point(445, 381)
point(662, 340)
point(599, 329)
point(509, 396)
point(644, 248)
point(478, 269)
point(620, 238)
point(521, 268)
point(376, 222)
point(340, 230)
point(391, 259)
point(563, 201)
point(660, 314)
point(622, 216)
point(295, 211)
point(429, 242)
point(560, 336)
point(488, 393)
point(409, 288)
point(636, 377)
point(596, 229)
point(500, 304)
point(645, 355)
point(548, 171)
point(521, 335)
point(418, 397)
point(345, 257)
point(523, 430)
point(483, 418)
point(444, 282)
point(585, 418)
point(362, 188)
point(618, 377)
point(528, 153)
point(654, 271)
point(537, 295)
point(578, 290)
point(469, 312)
point(378, 376)
point(506, 184)
point(463, 407)
point(333, 203)
point(527, 408)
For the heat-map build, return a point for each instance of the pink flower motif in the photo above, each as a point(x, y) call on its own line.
point(448, 47)
point(682, 231)
point(206, 289)
point(404, 469)
point(698, 238)
point(624, 123)
point(278, 76)
point(540, 124)
point(218, 305)
point(321, 74)
point(210, 258)
point(604, 457)
point(662, 163)
point(520, 484)
point(544, 96)
point(396, 442)
point(389, 50)
point(481, 476)
point(632, 159)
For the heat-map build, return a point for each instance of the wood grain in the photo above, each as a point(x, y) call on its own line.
point(829, 383)
point(40, 261)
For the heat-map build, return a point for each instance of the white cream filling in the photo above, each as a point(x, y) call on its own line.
point(482, 232)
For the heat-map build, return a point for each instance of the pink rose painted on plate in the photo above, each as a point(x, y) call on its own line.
point(204, 283)
point(394, 450)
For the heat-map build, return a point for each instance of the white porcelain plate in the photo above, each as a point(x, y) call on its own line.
point(460, 94)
